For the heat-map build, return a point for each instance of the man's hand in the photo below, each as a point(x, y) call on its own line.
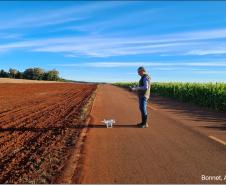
point(131, 88)
point(134, 88)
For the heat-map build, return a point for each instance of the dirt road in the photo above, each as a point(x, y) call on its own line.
point(176, 148)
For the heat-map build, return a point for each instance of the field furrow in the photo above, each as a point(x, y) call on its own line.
point(34, 136)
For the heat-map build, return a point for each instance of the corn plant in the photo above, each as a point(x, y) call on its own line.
point(211, 95)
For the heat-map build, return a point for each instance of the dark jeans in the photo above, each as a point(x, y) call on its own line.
point(143, 106)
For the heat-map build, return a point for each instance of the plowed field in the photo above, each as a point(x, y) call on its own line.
point(38, 125)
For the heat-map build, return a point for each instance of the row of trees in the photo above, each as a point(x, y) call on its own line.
point(31, 74)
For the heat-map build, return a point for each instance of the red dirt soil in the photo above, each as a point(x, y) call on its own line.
point(39, 123)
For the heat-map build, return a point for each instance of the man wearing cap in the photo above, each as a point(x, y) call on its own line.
point(143, 91)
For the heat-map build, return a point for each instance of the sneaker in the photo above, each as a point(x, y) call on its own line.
point(139, 124)
point(143, 126)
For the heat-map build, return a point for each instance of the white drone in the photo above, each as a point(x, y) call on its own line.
point(109, 122)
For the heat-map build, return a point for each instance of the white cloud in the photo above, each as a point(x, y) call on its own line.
point(100, 46)
point(207, 51)
point(116, 64)
point(207, 64)
point(10, 35)
point(107, 47)
point(209, 72)
point(144, 63)
point(56, 16)
point(169, 68)
point(118, 20)
point(36, 21)
point(203, 42)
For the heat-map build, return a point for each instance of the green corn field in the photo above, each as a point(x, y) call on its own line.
point(211, 95)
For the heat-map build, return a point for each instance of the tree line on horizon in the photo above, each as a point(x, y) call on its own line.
point(35, 73)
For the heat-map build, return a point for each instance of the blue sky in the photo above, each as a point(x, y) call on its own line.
point(108, 40)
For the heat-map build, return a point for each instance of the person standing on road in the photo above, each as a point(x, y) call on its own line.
point(143, 91)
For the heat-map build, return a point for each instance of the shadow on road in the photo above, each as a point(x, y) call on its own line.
point(192, 112)
point(57, 130)
point(42, 129)
point(114, 126)
point(221, 127)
